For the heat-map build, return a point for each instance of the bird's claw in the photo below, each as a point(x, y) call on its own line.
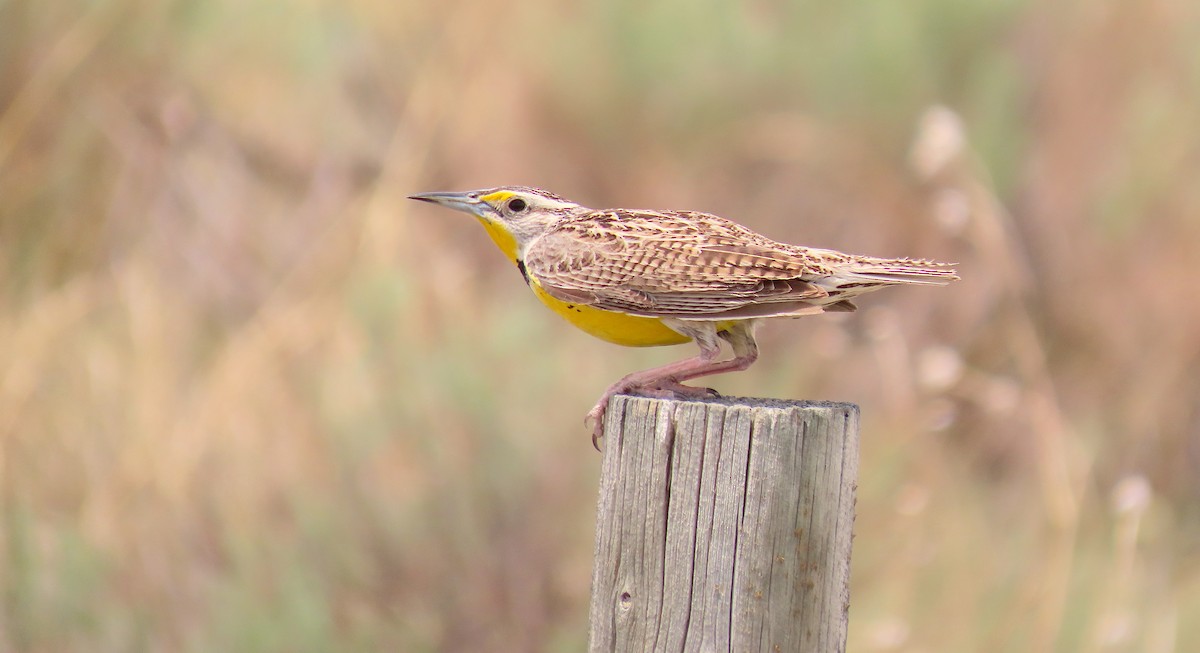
point(665, 389)
point(595, 421)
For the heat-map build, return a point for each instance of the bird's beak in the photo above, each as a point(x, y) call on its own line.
point(467, 202)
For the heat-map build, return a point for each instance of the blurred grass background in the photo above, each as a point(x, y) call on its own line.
point(251, 399)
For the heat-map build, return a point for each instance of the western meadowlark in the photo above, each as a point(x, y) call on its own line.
point(646, 278)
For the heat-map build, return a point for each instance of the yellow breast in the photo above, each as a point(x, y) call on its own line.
point(617, 328)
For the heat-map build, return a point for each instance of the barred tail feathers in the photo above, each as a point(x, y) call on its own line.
point(899, 271)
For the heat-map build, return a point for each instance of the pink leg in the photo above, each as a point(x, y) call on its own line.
point(671, 389)
point(643, 379)
point(667, 380)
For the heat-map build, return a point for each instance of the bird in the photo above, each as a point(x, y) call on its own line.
point(645, 278)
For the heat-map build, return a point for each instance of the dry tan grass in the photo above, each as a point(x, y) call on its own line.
point(251, 399)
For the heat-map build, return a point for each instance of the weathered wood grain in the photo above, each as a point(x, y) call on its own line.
point(724, 525)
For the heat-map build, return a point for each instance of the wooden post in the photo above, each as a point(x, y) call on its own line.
point(724, 525)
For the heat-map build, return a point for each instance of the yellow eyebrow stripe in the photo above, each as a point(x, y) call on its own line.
point(498, 196)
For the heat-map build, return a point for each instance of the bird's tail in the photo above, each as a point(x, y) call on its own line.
point(899, 271)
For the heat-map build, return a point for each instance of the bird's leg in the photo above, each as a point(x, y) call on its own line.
point(745, 351)
point(668, 379)
point(710, 347)
point(670, 388)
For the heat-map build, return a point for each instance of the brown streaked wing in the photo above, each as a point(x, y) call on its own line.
point(666, 264)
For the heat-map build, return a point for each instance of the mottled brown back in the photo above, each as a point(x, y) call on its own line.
point(696, 265)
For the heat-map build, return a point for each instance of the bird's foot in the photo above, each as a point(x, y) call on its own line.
point(595, 420)
point(671, 389)
point(595, 416)
point(660, 389)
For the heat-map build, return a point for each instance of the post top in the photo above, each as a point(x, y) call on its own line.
point(757, 402)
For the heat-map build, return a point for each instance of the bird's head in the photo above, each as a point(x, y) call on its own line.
point(513, 215)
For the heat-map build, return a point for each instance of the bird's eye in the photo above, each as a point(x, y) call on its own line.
point(517, 205)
